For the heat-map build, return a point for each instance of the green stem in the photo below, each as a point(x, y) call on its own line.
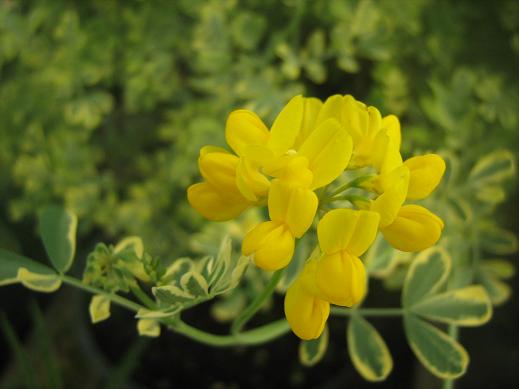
point(256, 336)
point(123, 302)
point(380, 312)
point(143, 297)
point(257, 303)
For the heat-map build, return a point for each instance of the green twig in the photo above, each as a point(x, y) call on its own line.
point(257, 303)
point(380, 312)
point(256, 336)
point(123, 302)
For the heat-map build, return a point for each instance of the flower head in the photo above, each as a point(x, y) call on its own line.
point(308, 147)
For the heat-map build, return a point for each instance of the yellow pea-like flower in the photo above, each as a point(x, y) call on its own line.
point(341, 278)
point(305, 313)
point(344, 235)
point(219, 169)
point(244, 128)
point(394, 187)
point(426, 172)
point(271, 243)
point(292, 210)
point(213, 204)
point(414, 229)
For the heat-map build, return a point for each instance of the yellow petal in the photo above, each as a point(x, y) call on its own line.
point(395, 191)
point(415, 229)
point(305, 313)
point(426, 172)
point(291, 169)
point(292, 205)
point(392, 159)
point(287, 125)
point(312, 106)
point(331, 109)
point(251, 183)
point(355, 117)
point(271, 244)
point(347, 229)
point(341, 278)
point(328, 150)
point(244, 128)
point(219, 170)
point(214, 205)
point(392, 126)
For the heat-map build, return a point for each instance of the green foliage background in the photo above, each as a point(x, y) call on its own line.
point(104, 105)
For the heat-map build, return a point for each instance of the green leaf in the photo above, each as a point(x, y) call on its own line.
point(497, 240)
point(222, 263)
point(438, 352)
point(99, 308)
point(11, 262)
point(498, 291)
point(58, 232)
point(39, 282)
point(145, 313)
point(427, 273)
point(148, 327)
point(171, 294)
point(368, 351)
point(193, 283)
point(499, 267)
point(312, 351)
point(469, 306)
point(493, 168)
point(131, 242)
point(176, 270)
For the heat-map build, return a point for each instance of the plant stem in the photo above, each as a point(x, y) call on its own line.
point(119, 300)
point(256, 336)
point(380, 312)
point(257, 303)
point(143, 297)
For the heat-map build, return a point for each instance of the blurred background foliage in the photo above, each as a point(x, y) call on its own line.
point(104, 105)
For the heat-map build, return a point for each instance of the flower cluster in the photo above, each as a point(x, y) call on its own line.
point(309, 146)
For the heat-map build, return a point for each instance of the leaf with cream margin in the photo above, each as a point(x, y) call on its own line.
point(58, 232)
point(368, 351)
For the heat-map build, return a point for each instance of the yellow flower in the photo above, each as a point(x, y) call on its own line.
point(426, 172)
point(218, 198)
point(344, 235)
point(292, 210)
point(305, 313)
point(375, 139)
point(414, 229)
point(300, 163)
point(336, 276)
